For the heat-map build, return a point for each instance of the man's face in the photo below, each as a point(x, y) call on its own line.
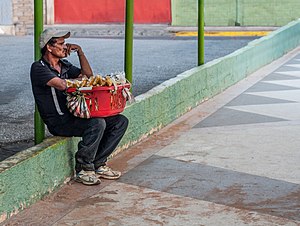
point(59, 49)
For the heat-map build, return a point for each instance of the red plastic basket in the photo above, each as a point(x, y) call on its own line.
point(104, 101)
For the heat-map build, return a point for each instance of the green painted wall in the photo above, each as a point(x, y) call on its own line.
point(184, 12)
point(219, 12)
point(31, 174)
point(233, 12)
point(269, 12)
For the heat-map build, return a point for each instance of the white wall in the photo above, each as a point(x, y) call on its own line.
point(49, 11)
point(6, 17)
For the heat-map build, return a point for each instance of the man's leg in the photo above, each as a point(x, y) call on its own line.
point(88, 146)
point(87, 149)
point(91, 131)
point(114, 131)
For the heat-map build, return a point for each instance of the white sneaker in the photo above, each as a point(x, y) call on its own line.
point(107, 173)
point(87, 178)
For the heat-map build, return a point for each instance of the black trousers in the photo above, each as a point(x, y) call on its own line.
point(100, 137)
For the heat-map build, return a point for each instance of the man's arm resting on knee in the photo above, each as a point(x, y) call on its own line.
point(58, 83)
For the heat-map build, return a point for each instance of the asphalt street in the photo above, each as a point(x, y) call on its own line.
point(155, 60)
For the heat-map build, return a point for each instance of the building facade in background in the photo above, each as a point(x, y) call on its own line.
point(16, 16)
point(236, 12)
point(110, 11)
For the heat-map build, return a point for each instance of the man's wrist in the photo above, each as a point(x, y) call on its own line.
point(80, 53)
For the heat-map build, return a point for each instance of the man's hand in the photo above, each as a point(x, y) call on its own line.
point(73, 48)
point(84, 64)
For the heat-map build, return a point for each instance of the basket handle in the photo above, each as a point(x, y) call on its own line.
point(116, 88)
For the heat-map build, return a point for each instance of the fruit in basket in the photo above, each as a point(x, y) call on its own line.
point(84, 82)
point(69, 83)
point(108, 81)
point(91, 81)
point(96, 80)
point(99, 81)
point(102, 81)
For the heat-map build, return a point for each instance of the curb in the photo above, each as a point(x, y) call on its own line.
point(222, 33)
point(155, 30)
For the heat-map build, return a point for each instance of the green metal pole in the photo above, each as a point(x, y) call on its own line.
point(129, 39)
point(200, 32)
point(39, 127)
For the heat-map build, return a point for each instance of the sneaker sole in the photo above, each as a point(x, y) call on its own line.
point(86, 183)
point(109, 177)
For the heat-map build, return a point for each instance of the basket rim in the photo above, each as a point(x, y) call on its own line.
point(97, 88)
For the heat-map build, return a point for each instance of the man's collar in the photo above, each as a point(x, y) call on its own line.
point(62, 61)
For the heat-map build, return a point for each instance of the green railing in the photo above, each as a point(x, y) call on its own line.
point(39, 126)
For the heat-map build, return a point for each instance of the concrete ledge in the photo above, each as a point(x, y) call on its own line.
point(35, 172)
point(31, 174)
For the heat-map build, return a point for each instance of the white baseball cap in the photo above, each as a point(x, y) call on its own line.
point(49, 33)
